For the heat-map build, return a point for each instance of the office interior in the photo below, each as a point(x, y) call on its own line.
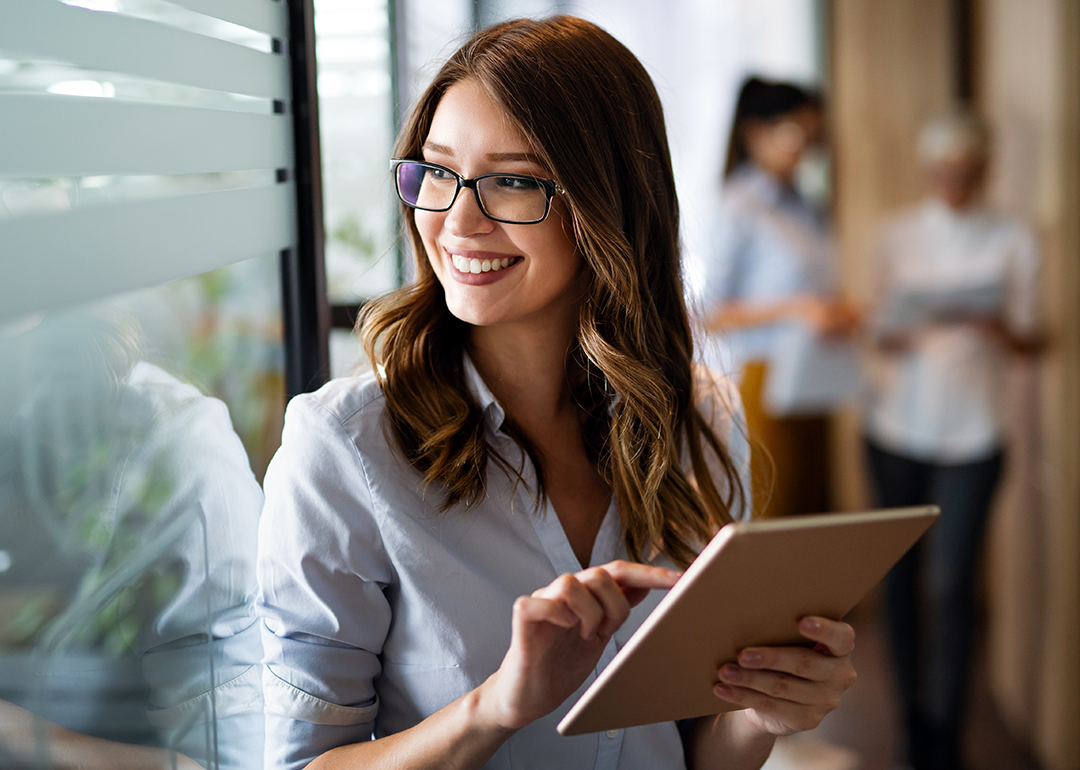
point(195, 202)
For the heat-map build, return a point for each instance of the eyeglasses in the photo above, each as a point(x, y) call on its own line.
point(515, 199)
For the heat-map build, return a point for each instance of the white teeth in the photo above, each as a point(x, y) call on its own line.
point(466, 265)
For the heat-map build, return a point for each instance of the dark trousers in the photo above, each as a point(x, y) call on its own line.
point(929, 594)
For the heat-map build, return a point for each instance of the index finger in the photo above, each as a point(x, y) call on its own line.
point(633, 576)
point(832, 636)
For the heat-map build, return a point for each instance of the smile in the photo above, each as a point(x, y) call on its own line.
point(475, 266)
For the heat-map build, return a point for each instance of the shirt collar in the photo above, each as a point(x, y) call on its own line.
point(492, 409)
point(939, 212)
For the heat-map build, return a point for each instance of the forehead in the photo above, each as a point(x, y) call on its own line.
point(468, 120)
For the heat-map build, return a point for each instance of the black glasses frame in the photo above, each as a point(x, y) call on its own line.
point(550, 187)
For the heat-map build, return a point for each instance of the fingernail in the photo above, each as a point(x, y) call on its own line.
point(750, 658)
point(810, 625)
point(731, 673)
point(722, 690)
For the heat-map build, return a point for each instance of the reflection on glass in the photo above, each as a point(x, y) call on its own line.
point(128, 517)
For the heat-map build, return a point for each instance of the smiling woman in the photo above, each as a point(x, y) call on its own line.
point(471, 131)
point(454, 544)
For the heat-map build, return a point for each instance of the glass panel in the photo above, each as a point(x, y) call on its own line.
point(357, 125)
point(346, 355)
point(133, 435)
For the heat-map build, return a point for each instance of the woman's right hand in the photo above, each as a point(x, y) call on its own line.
point(558, 635)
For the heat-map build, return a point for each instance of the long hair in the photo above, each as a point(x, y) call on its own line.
point(592, 115)
point(763, 100)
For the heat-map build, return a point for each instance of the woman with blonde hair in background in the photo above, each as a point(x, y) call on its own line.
point(957, 291)
point(456, 542)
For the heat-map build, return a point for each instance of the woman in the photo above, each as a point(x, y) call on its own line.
point(533, 412)
point(957, 289)
point(772, 264)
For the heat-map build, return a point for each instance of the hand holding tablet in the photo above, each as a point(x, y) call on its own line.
point(749, 588)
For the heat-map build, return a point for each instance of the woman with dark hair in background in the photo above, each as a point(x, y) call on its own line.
point(772, 264)
point(455, 543)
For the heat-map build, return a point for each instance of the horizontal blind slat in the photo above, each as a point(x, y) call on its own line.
point(267, 16)
point(56, 260)
point(115, 43)
point(59, 136)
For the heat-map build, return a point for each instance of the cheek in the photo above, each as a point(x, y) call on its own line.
point(428, 224)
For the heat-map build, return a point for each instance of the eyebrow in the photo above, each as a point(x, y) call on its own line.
point(496, 156)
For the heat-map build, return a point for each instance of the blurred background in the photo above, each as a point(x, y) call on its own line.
point(195, 202)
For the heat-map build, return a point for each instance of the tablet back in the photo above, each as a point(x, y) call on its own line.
point(749, 587)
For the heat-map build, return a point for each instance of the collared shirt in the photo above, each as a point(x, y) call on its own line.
point(378, 610)
point(768, 245)
point(942, 399)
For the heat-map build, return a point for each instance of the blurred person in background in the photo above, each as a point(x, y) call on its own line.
point(772, 264)
point(957, 292)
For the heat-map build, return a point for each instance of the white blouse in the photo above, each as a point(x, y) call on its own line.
point(377, 610)
point(942, 400)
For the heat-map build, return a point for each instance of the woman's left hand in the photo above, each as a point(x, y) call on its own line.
point(790, 689)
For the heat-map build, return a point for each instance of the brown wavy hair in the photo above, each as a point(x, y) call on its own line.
point(592, 115)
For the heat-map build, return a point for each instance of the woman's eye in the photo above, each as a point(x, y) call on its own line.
point(440, 173)
point(521, 183)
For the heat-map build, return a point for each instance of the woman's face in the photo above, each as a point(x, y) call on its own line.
point(778, 145)
point(471, 134)
point(957, 180)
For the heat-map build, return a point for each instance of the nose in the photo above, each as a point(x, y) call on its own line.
point(465, 217)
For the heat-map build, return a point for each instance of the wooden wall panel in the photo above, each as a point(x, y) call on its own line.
point(1029, 87)
point(891, 66)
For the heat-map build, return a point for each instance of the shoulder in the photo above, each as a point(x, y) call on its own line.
point(343, 399)
point(331, 440)
point(319, 488)
point(740, 199)
point(349, 407)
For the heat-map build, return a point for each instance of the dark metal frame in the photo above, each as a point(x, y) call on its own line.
point(549, 186)
point(305, 309)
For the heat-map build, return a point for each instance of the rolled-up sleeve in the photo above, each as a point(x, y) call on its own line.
point(322, 571)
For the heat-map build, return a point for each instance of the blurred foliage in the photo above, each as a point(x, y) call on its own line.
point(353, 234)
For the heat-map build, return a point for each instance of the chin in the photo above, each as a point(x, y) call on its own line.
point(474, 316)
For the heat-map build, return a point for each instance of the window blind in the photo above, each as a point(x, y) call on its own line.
point(141, 141)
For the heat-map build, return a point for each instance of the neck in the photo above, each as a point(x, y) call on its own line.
point(525, 369)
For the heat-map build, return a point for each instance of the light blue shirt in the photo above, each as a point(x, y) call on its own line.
point(378, 611)
point(768, 245)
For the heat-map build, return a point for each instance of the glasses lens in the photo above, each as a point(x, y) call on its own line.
point(513, 198)
point(426, 187)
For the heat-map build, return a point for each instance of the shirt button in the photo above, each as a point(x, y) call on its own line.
point(612, 733)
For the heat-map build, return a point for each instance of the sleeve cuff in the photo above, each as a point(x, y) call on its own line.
point(284, 699)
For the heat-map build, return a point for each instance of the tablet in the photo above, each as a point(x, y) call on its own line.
point(748, 587)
